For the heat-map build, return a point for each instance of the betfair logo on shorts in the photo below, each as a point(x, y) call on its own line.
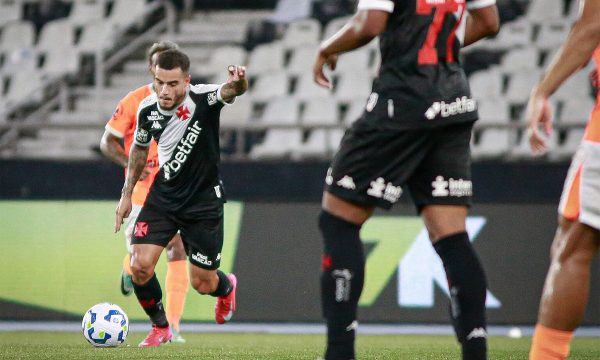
point(202, 259)
point(460, 106)
point(184, 148)
point(388, 192)
point(451, 187)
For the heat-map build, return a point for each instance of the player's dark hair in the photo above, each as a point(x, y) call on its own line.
point(159, 47)
point(173, 59)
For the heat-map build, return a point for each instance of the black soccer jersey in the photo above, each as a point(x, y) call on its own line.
point(420, 82)
point(188, 148)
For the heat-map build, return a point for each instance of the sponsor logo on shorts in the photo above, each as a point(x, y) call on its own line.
point(141, 135)
point(211, 98)
point(141, 229)
point(218, 191)
point(186, 144)
point(202, 259)
point(388, 192)
point(460, 106)
point(451, 187)
point(346, 182)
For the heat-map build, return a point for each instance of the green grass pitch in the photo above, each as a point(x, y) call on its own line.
point(45, 345)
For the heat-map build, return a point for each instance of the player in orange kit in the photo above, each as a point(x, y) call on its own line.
point(119, 129)
point(577, 238)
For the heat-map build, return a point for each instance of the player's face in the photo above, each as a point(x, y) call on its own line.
point(170, 85)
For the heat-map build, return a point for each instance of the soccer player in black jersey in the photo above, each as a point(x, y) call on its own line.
point(414, 133)
point(187, 194)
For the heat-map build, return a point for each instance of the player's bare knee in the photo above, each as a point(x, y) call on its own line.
point(141, 272)
point(202, 286)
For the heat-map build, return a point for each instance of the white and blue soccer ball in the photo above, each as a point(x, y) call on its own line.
point(105, 325)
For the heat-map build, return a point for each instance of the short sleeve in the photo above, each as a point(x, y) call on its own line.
point(142, 136)
point(385, 5)
point(478, 4)
point(121, 121)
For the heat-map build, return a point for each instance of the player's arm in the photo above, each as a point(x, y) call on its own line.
point(482, 21)
point(135, 166)
point(236, 84)
point(574, 54)
point(138, 156)
point(369, 21)
point(111, 148)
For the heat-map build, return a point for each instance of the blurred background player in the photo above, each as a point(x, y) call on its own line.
point(577, 238)
point(415, 132)
point(120, 129)
point(187, 194)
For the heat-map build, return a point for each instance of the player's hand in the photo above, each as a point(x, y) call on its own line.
point(539, 114)
point(122, 212)
point(237, 79)
point(318, 75)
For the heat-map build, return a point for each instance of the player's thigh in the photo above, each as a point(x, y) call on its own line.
point(144, 257)
point(343, 209)
point(575, 241)
point(441, 186)
point(203, 239)
point(175, 249)
point(371, 166)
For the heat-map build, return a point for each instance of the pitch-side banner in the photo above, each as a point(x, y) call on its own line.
point(59, 258)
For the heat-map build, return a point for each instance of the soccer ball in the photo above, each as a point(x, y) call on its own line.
point(105, 325)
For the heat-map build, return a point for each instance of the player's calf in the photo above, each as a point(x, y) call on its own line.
point(342, 281)
point(468, 289)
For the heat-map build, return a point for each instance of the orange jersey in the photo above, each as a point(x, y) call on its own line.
point(122, 125)
point(592, 131)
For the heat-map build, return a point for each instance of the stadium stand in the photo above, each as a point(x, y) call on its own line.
point(288, 114)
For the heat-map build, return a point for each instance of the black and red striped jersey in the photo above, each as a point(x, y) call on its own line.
point(421, 82)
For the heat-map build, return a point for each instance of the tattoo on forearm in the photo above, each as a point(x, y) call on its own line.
point(137, 162)
point(233, 89)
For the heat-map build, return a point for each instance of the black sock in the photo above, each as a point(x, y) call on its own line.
point(467, 284)
point(224, 287)
point(150, 297)
point(342, 281)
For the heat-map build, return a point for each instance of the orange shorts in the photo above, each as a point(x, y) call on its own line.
point(580, 199)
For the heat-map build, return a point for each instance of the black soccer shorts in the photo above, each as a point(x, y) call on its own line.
point(373, 168)
point(202, 235)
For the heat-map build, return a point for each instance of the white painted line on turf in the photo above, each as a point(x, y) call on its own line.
point(284, 328)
